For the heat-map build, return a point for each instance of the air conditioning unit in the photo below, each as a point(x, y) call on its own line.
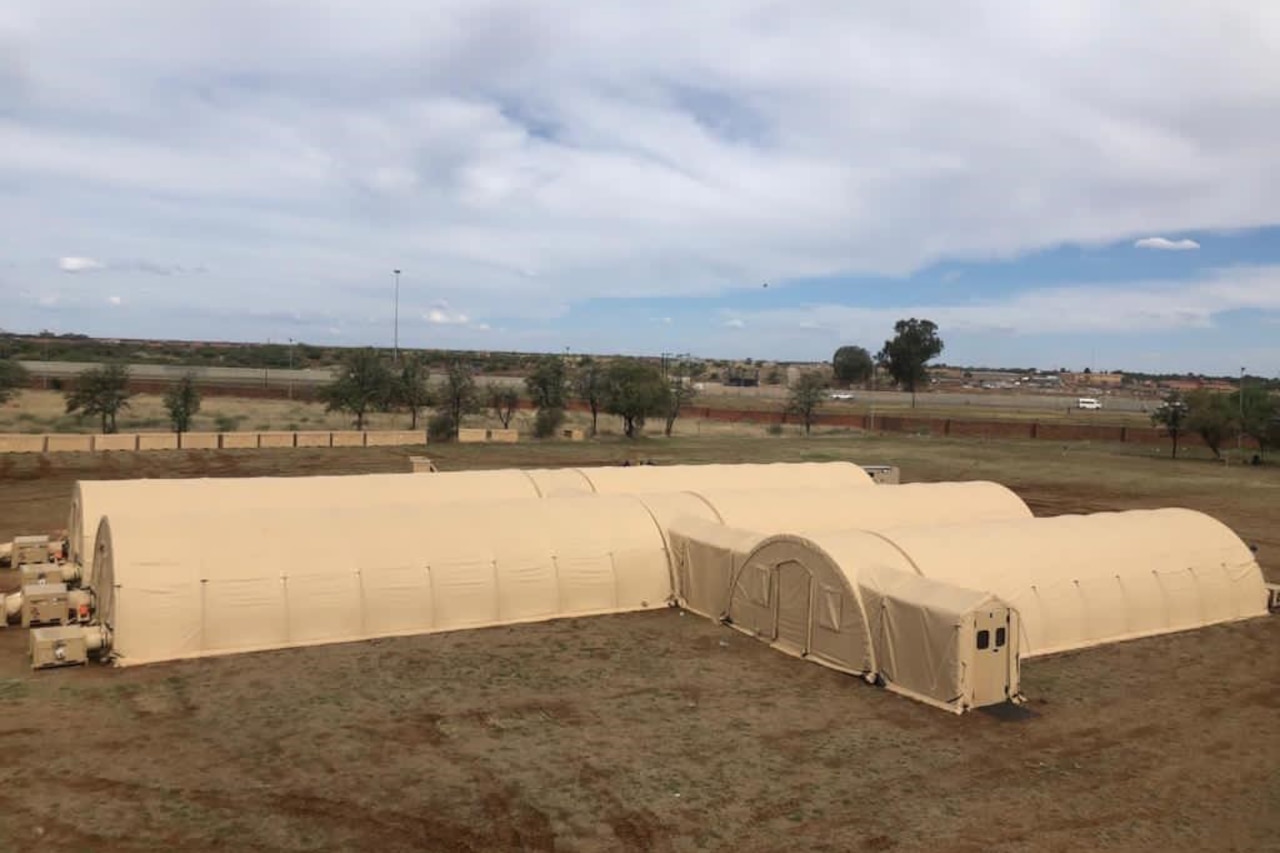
point(29, 549)
point(51, 647)
point(44, 604)
point(39, 573)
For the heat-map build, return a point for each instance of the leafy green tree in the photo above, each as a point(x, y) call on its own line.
point(635, 391)
point(412, 389)
point(503, 400)
point(852, 365)
point(682, 394)
point(364, 384)
point(807, 395)
point(182, 401)
point(548, 384)
point(1172, 415)
point(1212, 417)
point(590, 386)
point(906, 356)
point(458, 395)
point(101, 392)
point(1257, 416)
point(13, 378)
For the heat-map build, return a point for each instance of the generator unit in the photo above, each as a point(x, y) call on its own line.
point(30, 549)
point(44, 604)
point(62, 646)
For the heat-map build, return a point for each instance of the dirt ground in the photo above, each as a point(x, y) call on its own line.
point(657, 731)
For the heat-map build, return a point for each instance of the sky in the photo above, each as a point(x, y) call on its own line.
point(1065, 183)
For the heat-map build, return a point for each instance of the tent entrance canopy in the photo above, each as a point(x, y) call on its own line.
point(951, 647)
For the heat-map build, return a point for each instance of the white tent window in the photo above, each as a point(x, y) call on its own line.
point(759, 584)
point(830, 607)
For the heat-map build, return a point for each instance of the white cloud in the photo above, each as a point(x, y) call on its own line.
point(1166, 245)
point(528, 157)
point(114, 300)
point(441, 317)
point(75, 265)
point(734, 323)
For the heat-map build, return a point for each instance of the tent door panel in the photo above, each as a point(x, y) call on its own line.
point(794, 606)
point(993, 653)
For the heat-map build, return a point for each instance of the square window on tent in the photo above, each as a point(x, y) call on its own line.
point(984, 639)
point(830, 607)
point(759, 584)
point(999, 637)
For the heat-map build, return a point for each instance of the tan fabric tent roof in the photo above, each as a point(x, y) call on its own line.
point(92, 499)
point(640, 479)
point(208, 583)
point(705, 558)
point(789, 510)
point(1084, 580)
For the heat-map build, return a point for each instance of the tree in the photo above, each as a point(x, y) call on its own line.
point(905, 356)
point(101, 391)
point(458, 395)
point(503, 399)
point(682, 393)
point(590, 386)
point(364, 385)
point(1257, 416)
point(807, 395)
point(633, 391)
point(1172, 415)
point(13, 378)
point(1212, 417)
point(547, 383)
point(412, 388)
point(182, 401)
point(852, 365)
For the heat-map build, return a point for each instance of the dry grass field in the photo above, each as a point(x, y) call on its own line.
point(656, 731)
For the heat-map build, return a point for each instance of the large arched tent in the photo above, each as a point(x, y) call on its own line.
point(704, 558)
point(1084, 580)
point(1060, 583)
point(93, 499)
point(643, 479)
point(844, 508)
point(181, 586)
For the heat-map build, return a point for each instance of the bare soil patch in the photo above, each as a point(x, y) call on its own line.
point(656, 731)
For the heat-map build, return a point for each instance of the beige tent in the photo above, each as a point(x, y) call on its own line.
point(705, 557)
point(1083, 580)
point(641, 479)
point(209, 583)
point(1054, 584)
point(857, 508)
point(92, 499)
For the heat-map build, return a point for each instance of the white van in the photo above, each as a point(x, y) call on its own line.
point(1088, 403)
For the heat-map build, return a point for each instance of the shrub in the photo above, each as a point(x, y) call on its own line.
point(774, 429)
point(440, 427)
point(547, 422)
point(226, 423)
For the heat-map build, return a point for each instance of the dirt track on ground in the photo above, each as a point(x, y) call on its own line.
point(655, 731)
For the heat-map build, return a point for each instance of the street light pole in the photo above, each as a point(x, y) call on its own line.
point(1240, 428)
point(397, 320)
point(290, 368)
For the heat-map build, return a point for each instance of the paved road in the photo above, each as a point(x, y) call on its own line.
point(282, 378)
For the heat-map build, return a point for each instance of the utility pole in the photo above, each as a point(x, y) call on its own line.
point(290, 368)
point(397, 319)
point(1240, 428)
